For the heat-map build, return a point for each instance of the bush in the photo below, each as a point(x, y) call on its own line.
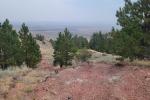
point(39, 37)
point(121, 62)
point(10, 46)
point(83, 55)
point(63, 49)
point(32, 53)
point(52, 42)
point(120, 59)
point(43, 42)
point(80, 42)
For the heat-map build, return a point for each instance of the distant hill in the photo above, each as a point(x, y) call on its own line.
point(51, 30)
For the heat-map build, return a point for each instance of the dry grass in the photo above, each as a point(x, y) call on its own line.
point(109, 58)
point(46, 50)
point(23, 80)
point(7, 77)
point(102, 57)
point(13, 71)
point(28, 89)
point(141, 63)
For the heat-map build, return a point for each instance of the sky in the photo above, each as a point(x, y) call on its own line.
point(74, 11)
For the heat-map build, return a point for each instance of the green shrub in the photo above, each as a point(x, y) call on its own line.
point(120, 59)
point(40, 37)
point(83, 55)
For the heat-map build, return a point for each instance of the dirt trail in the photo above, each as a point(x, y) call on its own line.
point(47, 54)
point(25, 82)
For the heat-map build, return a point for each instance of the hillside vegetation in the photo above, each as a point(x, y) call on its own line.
point(110, 66)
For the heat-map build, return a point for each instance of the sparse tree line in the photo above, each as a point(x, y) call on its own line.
point(39, 37)
point(66, 47)
point(17, 48)
point(131, 41)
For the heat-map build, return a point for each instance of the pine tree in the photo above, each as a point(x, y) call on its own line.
point(64, 49)
point(97, 42)
point(31, 53)
point(134, 37)
point(80, 42)
point(40, 37)
point(10, 46)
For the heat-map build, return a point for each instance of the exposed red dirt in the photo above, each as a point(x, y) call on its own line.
point(96, 82)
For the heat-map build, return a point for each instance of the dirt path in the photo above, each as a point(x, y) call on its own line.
point(23, 83)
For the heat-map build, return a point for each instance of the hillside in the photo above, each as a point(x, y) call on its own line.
point(87, 81)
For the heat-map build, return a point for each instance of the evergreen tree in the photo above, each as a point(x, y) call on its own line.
point(134, 37)
point(52, 42)
point(64, 49)
point(10, 46)
point(31, 53)
point(97, 42)
point(40, 37)
point(80, 42)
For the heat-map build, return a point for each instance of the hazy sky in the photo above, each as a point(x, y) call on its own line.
point(76, 11)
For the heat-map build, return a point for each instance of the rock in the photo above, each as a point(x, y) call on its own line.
point(135, 68)
point(147, 79)
point(69, 98)
point(114, 79)
point(17, 78)
point(53, 92)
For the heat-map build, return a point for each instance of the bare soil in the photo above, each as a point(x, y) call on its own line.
point(88, 81)
point(96, 82)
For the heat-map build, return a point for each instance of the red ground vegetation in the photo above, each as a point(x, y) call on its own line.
point(97, 82)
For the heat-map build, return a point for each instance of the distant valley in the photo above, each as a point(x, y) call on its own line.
point(51, 30)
